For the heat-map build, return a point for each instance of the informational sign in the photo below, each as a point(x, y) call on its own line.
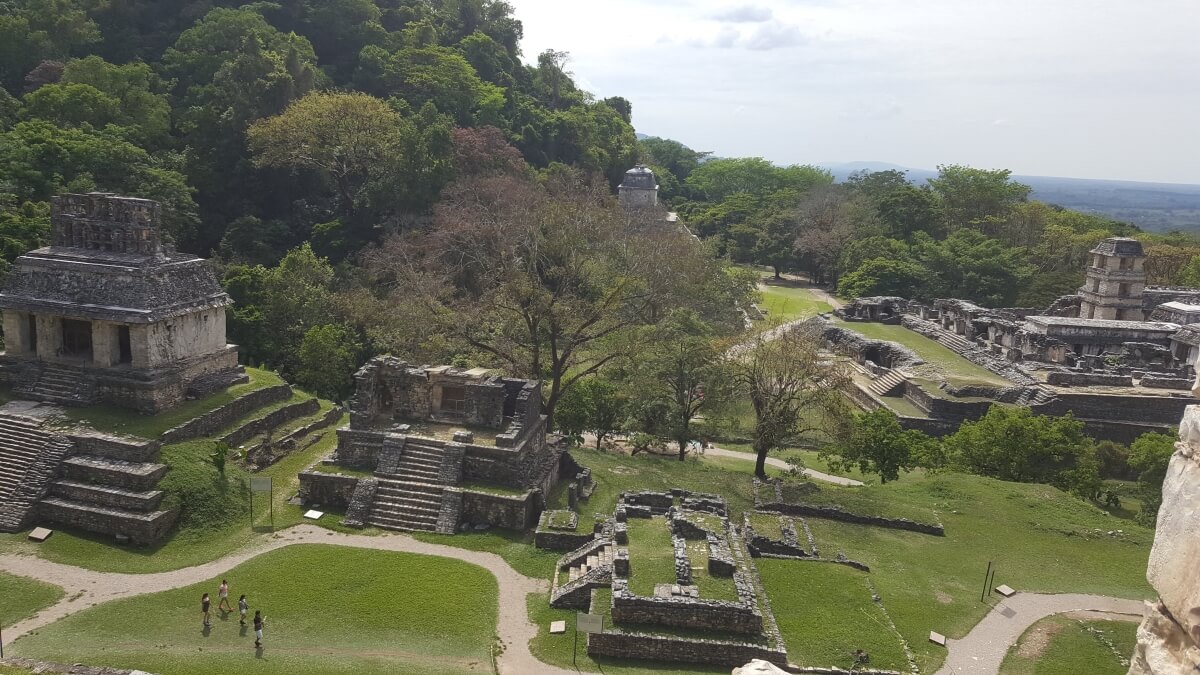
point(589, 623)
point(262, 484)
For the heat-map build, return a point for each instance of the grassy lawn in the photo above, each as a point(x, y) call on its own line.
point(651, 555)
point(1060, 645)
point(122, 420)
point(24, 597)
point(557, 649)
point(328, 610)
point(955, 368)
point(516, 548)
point(868, 501)
point(1041, 539)
point(786, 303)
point(190, 546)
point(825, 613)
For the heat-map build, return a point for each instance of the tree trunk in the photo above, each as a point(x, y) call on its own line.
point(599, 440)
point(682, 448)
point(760, 462)
point(777, 277)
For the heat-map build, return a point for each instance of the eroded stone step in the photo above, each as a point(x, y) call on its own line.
point(107, 496)
point(137, 476)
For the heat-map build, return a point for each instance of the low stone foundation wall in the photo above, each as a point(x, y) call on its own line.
point(1161, 382)
point(271, 420)
point(48, 668)
point(331, 489)
point(681, 612)
point(503, 511)
point(837, 513)
point(219, 418)
point(618, 644)
point(1073, 379)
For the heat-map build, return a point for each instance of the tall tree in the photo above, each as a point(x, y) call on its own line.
point(971, 196)
point(793, 387)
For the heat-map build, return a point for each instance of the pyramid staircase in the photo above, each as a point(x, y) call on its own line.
point(588, 567)
point(887, 383)
point(410, 493)
point(29, 460)
point(55, 383)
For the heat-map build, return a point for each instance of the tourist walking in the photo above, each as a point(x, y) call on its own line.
point(223, 595)
point(259, 621)
point(243, 607)
point(204, 603)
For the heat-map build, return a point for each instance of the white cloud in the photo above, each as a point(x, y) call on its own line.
point(916, 83)
point(745, 14)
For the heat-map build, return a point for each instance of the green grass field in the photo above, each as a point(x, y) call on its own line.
point(825, 613)
point(954, 367)
point(24, 597)
point(1041, 540)
point(787, 302)
point(651, 555)
point(328, 610)
point(1060, 645)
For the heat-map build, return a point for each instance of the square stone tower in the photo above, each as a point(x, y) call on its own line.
point(639, 189)
point(1115, 281)
point(109, 313)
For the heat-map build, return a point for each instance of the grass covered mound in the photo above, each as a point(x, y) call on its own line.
point(953, 367)
point(1041, 540)
point(651, 555)
point(122, 420)
point(1063, 645)
point(329, 610)
point(865, 501)
point(825, 613)
point(21, 598)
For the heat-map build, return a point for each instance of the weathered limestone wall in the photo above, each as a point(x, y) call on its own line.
point(1169, 637)
point(178, 338)
point(504, 511)
point(327, 489)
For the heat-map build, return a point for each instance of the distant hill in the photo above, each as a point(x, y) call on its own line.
point(1157, 207)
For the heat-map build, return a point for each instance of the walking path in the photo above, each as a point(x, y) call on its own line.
point(982, 650)
point(780, 464)
point(84, 588)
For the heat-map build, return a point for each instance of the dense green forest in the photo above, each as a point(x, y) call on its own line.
point(968, 233)
point(392, 176)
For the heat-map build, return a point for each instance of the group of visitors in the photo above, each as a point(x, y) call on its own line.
point(243, 608)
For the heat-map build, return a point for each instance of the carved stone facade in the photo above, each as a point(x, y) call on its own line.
point(639, 189)
point(109, 313)
point(1115, 281)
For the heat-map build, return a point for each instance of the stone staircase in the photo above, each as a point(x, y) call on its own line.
point(112, 490)
point(887, 384)
point(406, 506)
point(29, 459)
point(603, 557)
point(60, 384)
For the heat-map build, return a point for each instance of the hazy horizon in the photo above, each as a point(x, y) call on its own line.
point(1050, 88)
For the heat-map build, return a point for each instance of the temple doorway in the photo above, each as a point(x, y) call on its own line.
point(77, 339)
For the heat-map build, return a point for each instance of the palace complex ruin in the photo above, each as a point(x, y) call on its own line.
point(1118, 354)
point(109, 313)
point(445, 447)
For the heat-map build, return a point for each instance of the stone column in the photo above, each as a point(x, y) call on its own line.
point(16, 334)
point(106, 347)
point(1169, 637)
point(49, 337)
point(139, 345)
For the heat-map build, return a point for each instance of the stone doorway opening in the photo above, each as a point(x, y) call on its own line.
point(77, 339)
point(123, 344)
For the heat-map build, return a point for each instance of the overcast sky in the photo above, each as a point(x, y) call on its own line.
point(1081, 88)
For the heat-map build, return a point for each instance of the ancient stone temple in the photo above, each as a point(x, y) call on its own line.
point(1169, 637)
point(639, 189)
point(1115, 281)
point(110, 313)
point(446, 447)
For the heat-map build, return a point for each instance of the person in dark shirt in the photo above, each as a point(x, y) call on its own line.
point(204, 604)
point(259, 622)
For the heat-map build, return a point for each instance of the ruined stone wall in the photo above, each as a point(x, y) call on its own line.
point(219, 418)
point(684, 612)
point(508, 512)
point(1143, 409)
point(178, 338)
point(1169, 637)
point(327, 489)
point(619, 644)
point(156, 391)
